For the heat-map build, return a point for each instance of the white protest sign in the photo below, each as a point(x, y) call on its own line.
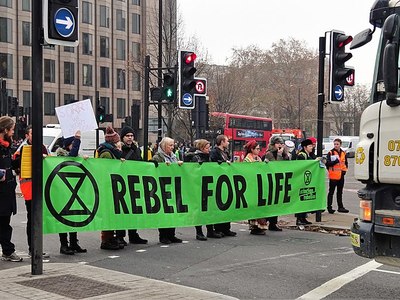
point(76, 116)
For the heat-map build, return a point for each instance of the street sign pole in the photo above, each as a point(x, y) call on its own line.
point(37, 141)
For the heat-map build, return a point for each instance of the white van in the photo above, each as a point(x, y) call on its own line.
point(349, 144)
point(52, 139)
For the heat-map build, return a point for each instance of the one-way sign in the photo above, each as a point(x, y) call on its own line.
point(61, 22)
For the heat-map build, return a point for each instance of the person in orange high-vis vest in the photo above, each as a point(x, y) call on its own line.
point(26, 185)
point(337, 167)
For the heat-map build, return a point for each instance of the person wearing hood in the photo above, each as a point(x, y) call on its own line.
point(109, 150)
point(276, 152)
point(130, 151)
point(165, 155)
point(71, 149)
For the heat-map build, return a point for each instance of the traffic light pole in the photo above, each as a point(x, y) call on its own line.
point(159, 107)
point(37, 140)
point(146, 107)
point(321, 103)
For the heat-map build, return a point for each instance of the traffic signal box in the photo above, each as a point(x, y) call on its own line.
point(100, 114)
point(168, 90)
point(187, 83)
point(339, 74)
point(61, 22)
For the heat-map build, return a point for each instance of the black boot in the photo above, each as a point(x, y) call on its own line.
point(136, 239)
point(76, 248)
point(64, 249)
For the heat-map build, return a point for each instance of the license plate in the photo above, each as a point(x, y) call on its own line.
point(355, 239)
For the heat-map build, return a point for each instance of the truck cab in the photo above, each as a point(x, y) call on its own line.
point(376, 232)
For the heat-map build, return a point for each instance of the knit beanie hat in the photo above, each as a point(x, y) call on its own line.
point(276, 140)
point(250, 145)
point(111, 136)
point(306, 142)
point(68, 141)
point(127, 129)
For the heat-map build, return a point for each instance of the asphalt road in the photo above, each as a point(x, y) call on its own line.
point(280, 265)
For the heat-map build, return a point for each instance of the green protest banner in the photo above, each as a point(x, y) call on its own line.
point(105, 194)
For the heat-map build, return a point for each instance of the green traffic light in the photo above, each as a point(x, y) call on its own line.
point(169, 93)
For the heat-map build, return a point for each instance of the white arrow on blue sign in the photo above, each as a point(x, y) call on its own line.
point(64, 22)
point(187, 99)
point(338, 92)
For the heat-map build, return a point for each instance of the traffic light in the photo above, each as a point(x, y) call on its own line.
point(100, 114)
point(187, 83)
point(61, 22)
point(339, 74)
point(12, 106)
point(169, 87)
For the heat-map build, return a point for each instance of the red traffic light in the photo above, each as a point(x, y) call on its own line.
point(343, 40)
point(190, 57)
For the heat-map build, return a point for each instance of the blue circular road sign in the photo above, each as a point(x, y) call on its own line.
point(64, 22)
point(338, 92)
point(187, 99)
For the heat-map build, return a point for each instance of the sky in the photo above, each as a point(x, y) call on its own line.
point(221, 25)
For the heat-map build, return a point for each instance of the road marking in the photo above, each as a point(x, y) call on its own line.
point(336, 283)
point(387, 271)
point(351, 190)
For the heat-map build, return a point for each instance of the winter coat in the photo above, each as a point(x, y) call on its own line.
point(272, 154)
point(8, 202)
point(131, 152)
point(161, 156)
point(201, 157)
point(218, 155)
point(74, 150)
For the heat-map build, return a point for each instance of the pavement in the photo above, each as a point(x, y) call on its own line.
point(82, 281)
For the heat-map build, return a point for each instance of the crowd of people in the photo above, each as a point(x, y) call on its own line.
point(124, 146)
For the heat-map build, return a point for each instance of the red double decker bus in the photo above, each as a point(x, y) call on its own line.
point(240, 129)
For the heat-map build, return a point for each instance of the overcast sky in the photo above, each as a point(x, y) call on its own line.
point(221, 25)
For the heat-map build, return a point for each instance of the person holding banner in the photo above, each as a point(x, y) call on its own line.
point(304, 154)
point(109, 150)
point(202, 154)
point(165, 154)
point(8, 183)
point(276, 152)
point(23, 159)
point(130, 151)
point(257, 226)
point(220, 154)
point(70, 148)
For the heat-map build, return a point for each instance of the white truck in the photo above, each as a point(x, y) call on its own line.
point(376, 233)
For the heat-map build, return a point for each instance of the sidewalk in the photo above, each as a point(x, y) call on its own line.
point(74, 281)
point(80, 281)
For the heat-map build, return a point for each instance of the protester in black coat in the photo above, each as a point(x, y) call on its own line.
point(8, 183)
point(130, 151)
point(220, 154)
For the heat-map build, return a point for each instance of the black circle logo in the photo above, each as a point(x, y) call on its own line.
point(307, 177)
point(72, 211)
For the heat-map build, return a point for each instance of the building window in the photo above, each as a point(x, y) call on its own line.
point(86, 97)
point(87, 43)
point(121, 110)
point(7, 3)
point(26, 68)
point(104, 16)
point(69, 72)
point(135, 23)
point(49, 104)
point(136, 2)
point(104, 46)
point(6, 65)
point(69, 49)
point(86, 12)
point(5, 30)
point(87, 71)
point(26, 99)
point(120, 49)
point(136, 80)
point(26, 5)
point(49, 70)
point(26, 33)
point(120, 79)
point(104, 77)
point(69, 98)
point(105, 101)
point(136, 53)
point(120, 19)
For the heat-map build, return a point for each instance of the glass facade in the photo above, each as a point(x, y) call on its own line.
point(5, 30)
